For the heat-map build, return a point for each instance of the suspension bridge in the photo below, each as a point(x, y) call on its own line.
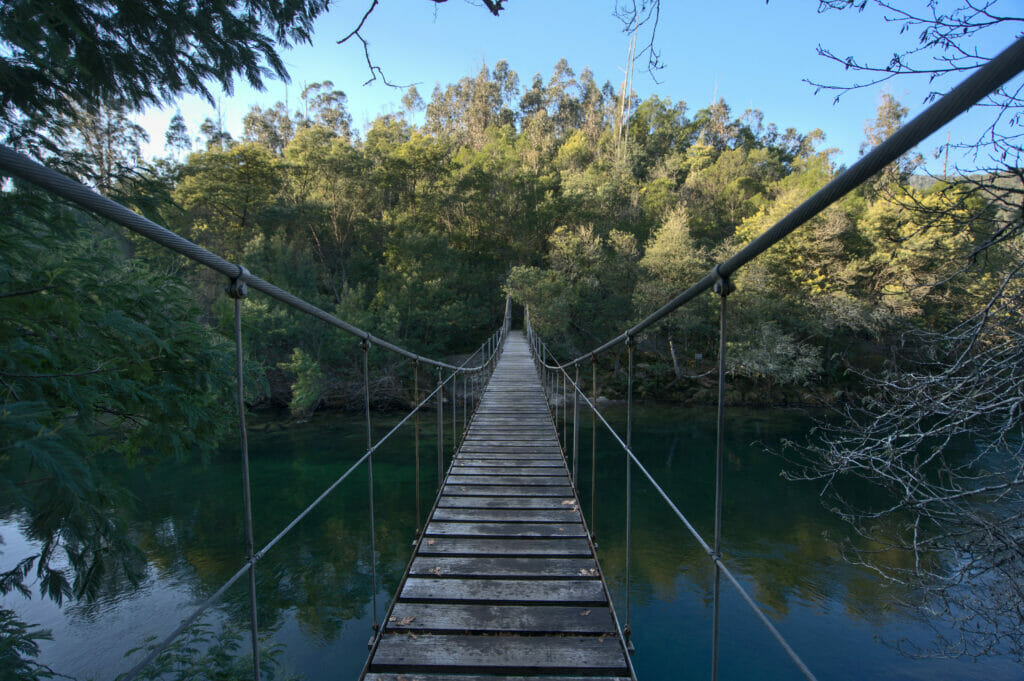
point(504, 581)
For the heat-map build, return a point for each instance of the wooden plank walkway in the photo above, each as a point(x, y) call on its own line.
point(504, 583)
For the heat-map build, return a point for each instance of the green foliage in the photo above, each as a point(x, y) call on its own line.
point(213, 653)
point(225, 193)
point(308, 387)
point(101, 356)
point(18, 645)
point(61, 54)
point(585, 293)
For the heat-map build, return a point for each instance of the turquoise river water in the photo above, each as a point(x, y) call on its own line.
point(315, 592)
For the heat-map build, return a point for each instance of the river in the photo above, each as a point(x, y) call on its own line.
point(315, 591)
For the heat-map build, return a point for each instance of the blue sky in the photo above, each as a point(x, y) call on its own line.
point(751, 53)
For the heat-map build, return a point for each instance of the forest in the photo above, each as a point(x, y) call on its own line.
point(418, 230)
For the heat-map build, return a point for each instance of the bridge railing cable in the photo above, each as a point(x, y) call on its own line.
point(973, 89)
point(714, 553)
point(474, 378)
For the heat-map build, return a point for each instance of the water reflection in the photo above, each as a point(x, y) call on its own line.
point(314, 589)
point(779, 540)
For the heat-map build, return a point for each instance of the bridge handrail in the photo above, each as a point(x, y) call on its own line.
point(997, 72)
point(216, 596)
point(985, 80)
point(716, 557)
point(26, 168)
point(22, 166)
point(487, 353)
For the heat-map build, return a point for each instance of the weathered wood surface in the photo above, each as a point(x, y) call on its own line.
point(502, 654)
point(504, 566)
point(555, 619)
point(472, 546)
point(462, 677)
point(504, 583)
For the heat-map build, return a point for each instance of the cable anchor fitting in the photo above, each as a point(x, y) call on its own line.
point(237, 288)
point(723, 285)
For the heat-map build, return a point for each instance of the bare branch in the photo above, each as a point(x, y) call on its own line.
point(494, 6)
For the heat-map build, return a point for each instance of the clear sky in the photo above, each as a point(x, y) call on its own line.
point(751, 53)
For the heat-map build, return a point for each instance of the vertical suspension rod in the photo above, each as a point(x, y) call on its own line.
point(369, 469)
point(237, 290)
point(565, 411)
point(593, 448)
point(722, 287)
point(440, 429)
point(576, 432)
point(416, 399)
point(627, 630)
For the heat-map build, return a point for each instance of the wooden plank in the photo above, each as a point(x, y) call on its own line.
point(454, 566)
point(462, 469)
point(449, 501)
point(568, 547)
point(541, 458)
point(509, 490)
point(540, 480)
point(461, 590)
point(504, 584)
point(469, 529)
point(534, 619)
point(513, 440)
point(566, 514)
point(500, 460)
point(409, 676)
point(503, 654)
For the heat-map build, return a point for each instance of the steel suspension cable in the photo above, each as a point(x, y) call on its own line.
point(565, 416)
point(708, 550)
point(455, 406)
point(593, 450)
point(440, 430)
point(219, 593)
point(416, 398)
point(20, 165)
point(576, 436)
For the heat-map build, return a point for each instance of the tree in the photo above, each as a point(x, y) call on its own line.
point(62, 55)
point(225, 192)
point(271, 128)
point(412, 103)
point(177, 140)
point(101, 355)
point(584, 295)
point(325, 107)
point(214, 135)
point(938, 434)
point(18, 644)
point(105, 147)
